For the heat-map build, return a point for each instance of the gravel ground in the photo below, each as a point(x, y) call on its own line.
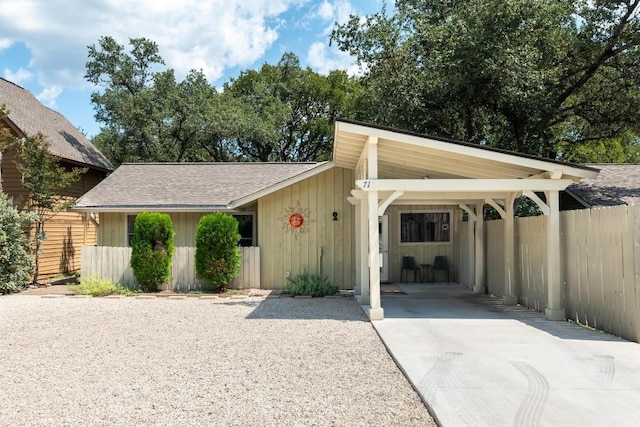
point(177, 361)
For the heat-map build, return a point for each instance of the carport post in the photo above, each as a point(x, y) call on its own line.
point(554, 309)
point(510, 296)
point(375, 310)
point(363, 225)
point(479, 286)
point(358, 247)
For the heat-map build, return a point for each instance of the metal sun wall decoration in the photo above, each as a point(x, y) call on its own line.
point(295, 219)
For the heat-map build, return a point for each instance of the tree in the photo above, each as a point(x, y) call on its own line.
point(286, 112)
point(152, 249)
point(217, 255)
point(525, 75)
point(16, 266)
point(46, 181)
point(147, 114)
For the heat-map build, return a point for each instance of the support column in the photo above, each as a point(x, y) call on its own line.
point(375, 309)
point(357, 290)
point(555, 307)
point(510, 294)
point(470, 251)
point(363, 259)
point(479, 286)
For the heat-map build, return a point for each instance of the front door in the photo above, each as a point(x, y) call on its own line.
point(383, 238)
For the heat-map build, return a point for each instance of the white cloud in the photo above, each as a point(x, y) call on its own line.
point(5, 43)
point(211, 35)
point(19, 76)
point(325, 10)
point(337, 11)
point(49, 95)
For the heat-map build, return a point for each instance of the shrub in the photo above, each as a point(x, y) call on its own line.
point(217, 254)
point(310, 284)
point(152, 249)
point(98, 287)
point(16, 266)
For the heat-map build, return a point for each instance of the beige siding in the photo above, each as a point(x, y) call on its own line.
point(424, 253)
point(112, 230)
point(325, 246)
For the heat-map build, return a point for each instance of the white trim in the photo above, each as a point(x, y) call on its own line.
point(463, 185)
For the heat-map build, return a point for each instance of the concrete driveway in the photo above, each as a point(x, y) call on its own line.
point(477, 362)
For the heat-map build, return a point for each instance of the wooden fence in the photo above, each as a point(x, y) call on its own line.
point(114, 264)
point(600, 266)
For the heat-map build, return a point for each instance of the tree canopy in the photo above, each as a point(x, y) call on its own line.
point(282, 112)
point(535, 76)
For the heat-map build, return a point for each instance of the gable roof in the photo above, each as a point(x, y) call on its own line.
point(408, 155)
point(197, 187)
point(29, 116)
point(617, 184)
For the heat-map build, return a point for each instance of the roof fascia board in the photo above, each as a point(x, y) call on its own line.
point(463, 185)
point(129, 209)
point(468, 150)
point(282, 184)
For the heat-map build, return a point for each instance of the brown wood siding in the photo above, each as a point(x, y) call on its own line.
point(283, 251)
point(67, 233)
point(12, 180)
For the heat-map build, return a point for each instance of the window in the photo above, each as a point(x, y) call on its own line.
point(425, 227)
point(245, 228)
point(131, 219)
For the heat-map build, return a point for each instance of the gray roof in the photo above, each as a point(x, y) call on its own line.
point(617, 184)
point(186, 186)
point(30, 116)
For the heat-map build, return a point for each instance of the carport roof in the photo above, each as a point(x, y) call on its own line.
point(407, 155)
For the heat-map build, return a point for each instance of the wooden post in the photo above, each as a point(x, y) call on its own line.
point(555, 306)
point(479, 286)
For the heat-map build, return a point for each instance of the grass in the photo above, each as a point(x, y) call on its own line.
point(98, 287)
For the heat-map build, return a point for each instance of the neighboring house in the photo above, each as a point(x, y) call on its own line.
point(617, 184)
point(66, 232)
point(386, 194)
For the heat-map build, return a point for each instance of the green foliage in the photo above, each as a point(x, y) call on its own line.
point(524, 75)
point(310, 284)
point(98, 287)
point(152, 249)
point(16, 266)
point(286, 112)
point(46, 181)
point(217, 254)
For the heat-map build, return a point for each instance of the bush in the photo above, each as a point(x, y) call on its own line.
point(310, 284)
point(152, 249)
point(16, 266)
point(98, 287)
point(217, 254)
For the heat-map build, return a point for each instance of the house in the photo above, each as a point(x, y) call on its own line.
point(386, 194)
point(616, 184)
point(66, 232)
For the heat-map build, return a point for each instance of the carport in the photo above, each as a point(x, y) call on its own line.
point(394, 167)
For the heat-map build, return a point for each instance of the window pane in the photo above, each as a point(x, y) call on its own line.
point(131, 220)
point(424, 227)
point(245, 228)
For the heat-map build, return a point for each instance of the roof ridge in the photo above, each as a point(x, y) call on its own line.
point(15, 84)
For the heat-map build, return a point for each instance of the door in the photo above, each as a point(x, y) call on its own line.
point(383, 238)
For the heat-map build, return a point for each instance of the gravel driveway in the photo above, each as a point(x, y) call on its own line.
point(72, 361)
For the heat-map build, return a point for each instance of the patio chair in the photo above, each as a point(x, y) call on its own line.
point(440, 263)
point(409, 264)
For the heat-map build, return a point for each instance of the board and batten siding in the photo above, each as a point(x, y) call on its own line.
point(324, 246)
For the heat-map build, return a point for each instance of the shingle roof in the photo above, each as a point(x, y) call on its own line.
point(186, 186)
point(617, 184)
point(31, 117)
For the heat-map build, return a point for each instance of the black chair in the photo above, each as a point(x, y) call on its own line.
point(440, 263)
point(409, 264)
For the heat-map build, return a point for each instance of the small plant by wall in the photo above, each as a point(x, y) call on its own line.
point(98, 287)
point(310, 284)
point(217, 254)
point(152, 249)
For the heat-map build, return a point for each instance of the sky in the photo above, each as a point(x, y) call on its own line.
point(43, 43)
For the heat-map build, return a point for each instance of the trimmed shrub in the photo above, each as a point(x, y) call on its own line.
point(16, 266)
point(98, 287)
point(310, 284)
point(217, 254)
point(152, 249)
